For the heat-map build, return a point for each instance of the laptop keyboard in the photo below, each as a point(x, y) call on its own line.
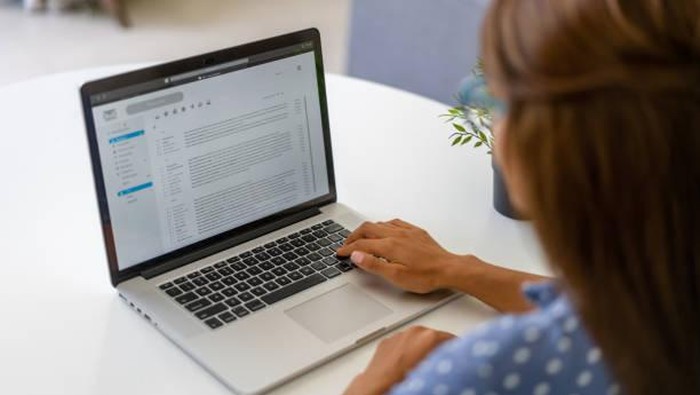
point(241, 285)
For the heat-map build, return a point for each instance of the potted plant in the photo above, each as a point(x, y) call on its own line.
point(472, 121)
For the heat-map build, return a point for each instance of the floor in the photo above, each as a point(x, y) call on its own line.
point(34, 44)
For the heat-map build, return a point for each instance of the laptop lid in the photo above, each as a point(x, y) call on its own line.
point(195, 156)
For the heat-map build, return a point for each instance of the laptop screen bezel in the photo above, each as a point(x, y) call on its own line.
point(202, 248)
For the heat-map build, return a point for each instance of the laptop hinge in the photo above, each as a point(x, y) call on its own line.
point(229, 243)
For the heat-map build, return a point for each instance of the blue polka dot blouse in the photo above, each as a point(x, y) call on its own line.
point(544, 352)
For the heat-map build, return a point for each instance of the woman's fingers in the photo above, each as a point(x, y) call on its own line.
point(377, 247)
point(372, 264)
point(370, 230)
point(401, 223)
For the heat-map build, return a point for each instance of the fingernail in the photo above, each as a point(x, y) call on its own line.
point(356, 257)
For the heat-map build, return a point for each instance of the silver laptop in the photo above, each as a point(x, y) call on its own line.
point(214, 177)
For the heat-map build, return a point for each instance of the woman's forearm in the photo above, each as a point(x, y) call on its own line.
point(496, 286)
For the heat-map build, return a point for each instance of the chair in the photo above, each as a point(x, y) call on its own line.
point(422, 46)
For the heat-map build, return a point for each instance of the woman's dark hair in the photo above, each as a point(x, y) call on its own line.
point(603, 131)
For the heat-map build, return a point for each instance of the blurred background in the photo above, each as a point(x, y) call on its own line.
point(423, 46)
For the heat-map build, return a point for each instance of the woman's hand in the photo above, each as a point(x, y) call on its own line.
point(402, 253)
point(395, 357)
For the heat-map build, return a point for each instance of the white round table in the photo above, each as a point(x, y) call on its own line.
point(65, 331)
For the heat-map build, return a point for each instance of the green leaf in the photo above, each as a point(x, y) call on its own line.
point(477, 145)
point(456, 140)
point(459, 127)
point(482, 136)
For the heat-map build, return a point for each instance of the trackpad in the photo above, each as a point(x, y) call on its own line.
point(338, 313)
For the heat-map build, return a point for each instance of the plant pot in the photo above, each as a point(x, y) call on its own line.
point(501, 199)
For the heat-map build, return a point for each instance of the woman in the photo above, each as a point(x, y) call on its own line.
point(599, 142)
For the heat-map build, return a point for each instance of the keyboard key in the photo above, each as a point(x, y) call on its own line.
point(216, 286)
point(219, 265)
point(307, 271)
point(203, 291)
point(290, 266)
point(305, 231)
point(258, 250)
point(166, 286)
point(317, 227)
point(334, 247)
point(229, 280)
point(188, 286)
point(314, 257)
point(228, 292)
point(327, 222)
point(333, 228)
point(180, 280)
point(242, 276)
point(335, 238)
point(267, 276)
point(240, 311)
point(245, 296)
point(320, 234)
point(254, 282)
point(227, 317)
point(274, 251)
point(295, 276)
point(326, 252)
point(246, 254)
point(242, 287)
point(283, 281)
point(309, 238)
point(194, 275)
point(297, 242)
point(271, 286)
point(270, 244)
point(217, 297)
point(278, 271)
point(233, 259)
point(293, 235)
point(233, 302)
point(344, 233)
point(254, 271)
point(290, 256)
point(278, 261)
point(213, 276)
point(226, 271)
point(331, 272)
point(292, 289)
point(174, 291)
point(255, 305)
point(324, 242)
point(238, 266)
point(303, 261)
point(207, 269)
point(318, 266)
point(301, 251)
point(257, 291)
point(211, 311)
point(250, 261)
point(198, 304)
point(281, 240)
point(199, 281)
point(330, 261)
point(344, 266)
point(213, 323)
point(286, 247)
point(266, 266)
point(313, 247)
point(263, 256)
point(186, 298)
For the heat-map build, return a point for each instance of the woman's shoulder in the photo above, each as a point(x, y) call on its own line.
point(546, 351)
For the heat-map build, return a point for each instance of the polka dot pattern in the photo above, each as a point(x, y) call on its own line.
point(544, 352)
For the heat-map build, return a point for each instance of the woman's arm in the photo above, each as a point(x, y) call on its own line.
point(409, 258)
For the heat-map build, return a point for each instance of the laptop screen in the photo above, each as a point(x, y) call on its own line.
point(193, 155)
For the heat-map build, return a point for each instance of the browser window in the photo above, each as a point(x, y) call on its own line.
point(209, 152)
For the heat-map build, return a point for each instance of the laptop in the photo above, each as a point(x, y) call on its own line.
point(215, 184)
